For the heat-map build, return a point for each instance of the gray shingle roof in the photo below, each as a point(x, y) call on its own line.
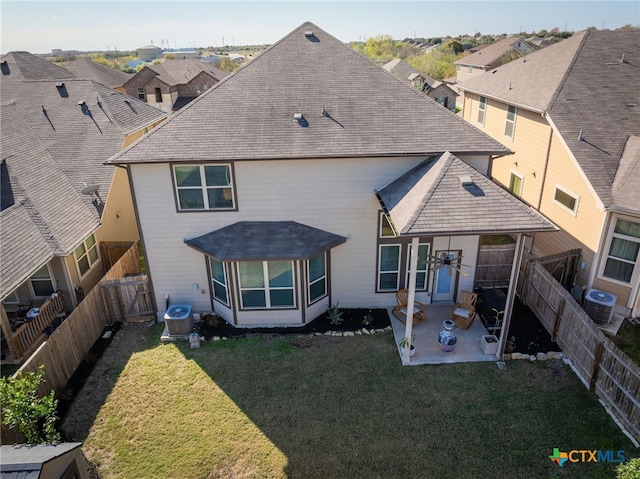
point(51, 147)
point(250, 114)
point(430, 200)
point(582, 85)
point(626, 193)
point(491, 54)
point(26, 66)
point(180, 72)
point(265, 240)
point(403, 71)
point(25, 461)
point(86, 68)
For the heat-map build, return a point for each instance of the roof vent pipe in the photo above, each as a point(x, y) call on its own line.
point(308, 33)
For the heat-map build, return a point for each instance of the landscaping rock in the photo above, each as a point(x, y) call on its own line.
point(541, 357)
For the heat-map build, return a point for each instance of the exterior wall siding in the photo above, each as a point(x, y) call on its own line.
point(198, 85)
point(333, 195)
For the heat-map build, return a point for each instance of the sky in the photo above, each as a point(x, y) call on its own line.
point(88, 25)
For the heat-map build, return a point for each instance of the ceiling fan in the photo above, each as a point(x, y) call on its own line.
point(443, 260)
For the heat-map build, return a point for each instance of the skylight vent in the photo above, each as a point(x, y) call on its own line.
point(5, 67)
point(309, 33)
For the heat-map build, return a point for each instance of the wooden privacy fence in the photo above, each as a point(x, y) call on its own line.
point(493, 269)
point(599, 363)
point(128, 299)
point(63, 352)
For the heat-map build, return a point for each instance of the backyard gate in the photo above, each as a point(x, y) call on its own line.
point(128, 299)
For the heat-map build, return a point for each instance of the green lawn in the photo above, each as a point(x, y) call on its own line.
point(326, 407)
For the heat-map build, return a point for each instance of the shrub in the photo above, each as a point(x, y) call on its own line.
point(22, 409)
point(629, 469)
point(335, 315)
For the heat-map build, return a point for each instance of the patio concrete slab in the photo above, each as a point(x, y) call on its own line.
point(426, 342)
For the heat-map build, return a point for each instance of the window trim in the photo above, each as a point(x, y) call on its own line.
point(398, 271)
point(203, 187)
point(86, 254)
point(383, 218)
point(567, 192)
point(49, 278)
point(142, 95)
point(512, 174)
point(266, 288)
point(418, 271)
point(605, 257)
point(215, 281)
point(324, 278)
point(482, 110)
point(510, 122)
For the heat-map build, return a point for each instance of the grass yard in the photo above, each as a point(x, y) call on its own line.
point(328, 407)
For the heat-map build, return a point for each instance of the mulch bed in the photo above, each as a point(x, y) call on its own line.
point(352, 320)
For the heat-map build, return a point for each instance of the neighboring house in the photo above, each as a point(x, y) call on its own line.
point(43, 461)
point(289, 187)
point(149, 53)
point(172, 84)
point(492, 56)
point(571, 114)
point(84, 67)
point(59, 200)
point(422, 82)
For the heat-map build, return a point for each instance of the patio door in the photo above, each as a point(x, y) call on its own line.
point(444, 279)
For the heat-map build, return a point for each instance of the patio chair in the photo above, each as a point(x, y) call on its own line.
point(400, 310)
point(464, 311)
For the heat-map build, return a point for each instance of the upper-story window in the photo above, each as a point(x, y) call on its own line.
point(567, 200)
point(204, 187)
point(86, 255)
point(482, 107)
point(510, 123)
point(158, 93)
point(141, 94)
point(515, 184)
point(622, 257)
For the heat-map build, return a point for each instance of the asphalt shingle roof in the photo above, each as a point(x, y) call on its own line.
point(492, 53)
point(587, 92)
point(431, 200)
point(180, 72)
point(265, 240)
point(26, 66)
point(86, 68)
point(367, 112)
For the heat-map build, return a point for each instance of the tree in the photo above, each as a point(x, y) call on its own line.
point(455, 46)
point(23, 409)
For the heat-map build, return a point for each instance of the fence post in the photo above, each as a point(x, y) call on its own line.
point(556, 324)
point(596, 367)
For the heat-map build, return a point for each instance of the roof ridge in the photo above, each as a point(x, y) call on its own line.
point(567, 71)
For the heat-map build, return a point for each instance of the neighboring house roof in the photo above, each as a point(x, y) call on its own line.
point(26, 461)
point(180, 72)
point(53, 145)
point(587, 86)
point(149, 47)
point(445, 196)
point(349, 107)
point(261, 240)
point(493, 53)
point(405, 73)
point(26, 66)
point(84, 67)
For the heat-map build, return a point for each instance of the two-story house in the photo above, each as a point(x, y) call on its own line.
point(172, 84)
point(439, 91)
point(59, 200)
point(570, 114)
point(307, 178)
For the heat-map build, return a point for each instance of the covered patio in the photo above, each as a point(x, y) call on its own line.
point(426, 340)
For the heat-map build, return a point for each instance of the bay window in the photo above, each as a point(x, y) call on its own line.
point(622, 257)
point(266, 284)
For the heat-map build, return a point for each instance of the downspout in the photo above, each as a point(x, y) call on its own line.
point(508, 306)
point(413, 267)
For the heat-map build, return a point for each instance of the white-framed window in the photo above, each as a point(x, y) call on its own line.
point(566, 199)
point(266, 284)
point(470, 70)
point(86, 255)
point(482, 107)
point(12, 298)
point(141, 94)
point(516, 181)
point(510, 123)
point(41, 282)
point(386, 230)
point(421, 270)
point(389, 267)
point(317, 277)
point(219, 279)
point(622, 258)
point(204, 187)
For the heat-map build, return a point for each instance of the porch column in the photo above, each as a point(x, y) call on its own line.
point(413, 266)
point(508, 305)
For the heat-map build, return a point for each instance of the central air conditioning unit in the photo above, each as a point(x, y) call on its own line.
point(599, 306)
